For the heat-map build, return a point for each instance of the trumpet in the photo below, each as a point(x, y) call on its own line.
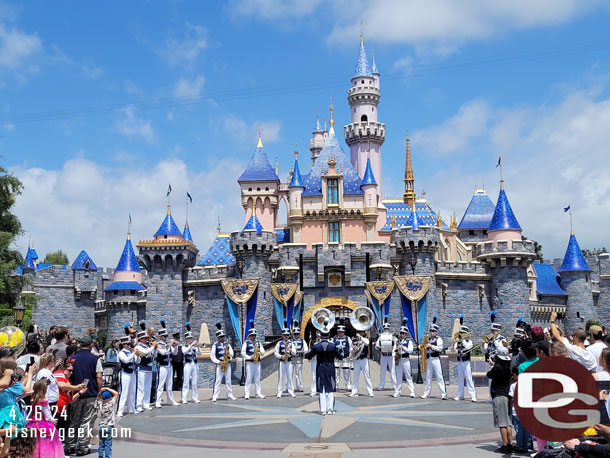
point(459, 336)
point(423, 351)
point(286, 354)
point(487, 339)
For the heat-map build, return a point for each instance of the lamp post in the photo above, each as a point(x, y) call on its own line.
point(240, 267)
point(18, 312)
point(379, 271)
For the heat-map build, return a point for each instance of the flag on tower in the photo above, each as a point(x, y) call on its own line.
point(188, 196)
point(129, 220)
point(499, 161)
point(566, 209)
point(169, 190)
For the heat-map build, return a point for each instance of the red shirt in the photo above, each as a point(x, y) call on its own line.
point(64, 396)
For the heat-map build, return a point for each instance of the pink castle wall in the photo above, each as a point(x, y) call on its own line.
point(509, 235)
point(355, 231)
point(311, 232)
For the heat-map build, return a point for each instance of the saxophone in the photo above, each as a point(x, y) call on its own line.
point(398, 352)
point(286, 354)
point(257, 353)
point(423, 351)
point(226, 359)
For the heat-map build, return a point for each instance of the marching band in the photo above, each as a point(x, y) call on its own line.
point(332, 359)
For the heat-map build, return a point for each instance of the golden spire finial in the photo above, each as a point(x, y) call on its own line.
point(439, 219)
point(296, 152)
point(361, 34)
point(393, 219)
point(332, 109)
point(409, 195)
point(253, 207)
point(129, 227)
point(453, 224)
point(277, 167)
point(218, 227)
point(260, 135)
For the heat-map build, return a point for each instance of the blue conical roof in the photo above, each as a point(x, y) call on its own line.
point(187, 233)
point(84, 262)
point(128, 261)
point(362, 65)
point(253, 224)
point(219, 254)
point(368, 178)
point(413, 221)
point(296, 181)
point(374, 66)
point(168, 226)
point(574, 260)
point(259, 168)
point(30, 257)
point(318, 126)
point(479, 213)
point(503, 218)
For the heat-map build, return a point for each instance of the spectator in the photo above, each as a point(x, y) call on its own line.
point(543, 349)
point(48, 365)
point(559, 349)
point(106, 406)
point(523, 437)
point(500, 376)
point(596, 339)
point(112, 354)
point(87, 368)
point(10, 413)
point(576, 349)
point(42, 422)
point(68, 393)
point(33, 350)
point(604, 362)
point(61, 338)
point(529, 353)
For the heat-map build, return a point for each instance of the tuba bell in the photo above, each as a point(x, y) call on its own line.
point(323, 320)
point(362, 318)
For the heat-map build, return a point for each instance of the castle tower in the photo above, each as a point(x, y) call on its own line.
point(186, 234)
point(369, 186)
point(259, 187)
point(477, 218)
point(576, 281)
point(409, 195)
point(508, 258)
point(125, 297)
point(295, 191)
point(317, 141)
point(165, 259)
point(364, 130)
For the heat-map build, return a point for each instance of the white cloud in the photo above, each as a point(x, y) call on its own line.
point(553, 155)
point(132, 88)
point(17, 50)
point(185, 50)
point(132, 126)
point(247, 132)
point(85, 205)
point(186, 88)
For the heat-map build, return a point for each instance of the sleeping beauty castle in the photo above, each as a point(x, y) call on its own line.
point(343, 245)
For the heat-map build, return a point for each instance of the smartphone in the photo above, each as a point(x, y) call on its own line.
point(86, 381)
point(603, 385)
point(32, 360)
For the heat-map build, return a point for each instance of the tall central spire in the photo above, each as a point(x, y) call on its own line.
point(409, 195)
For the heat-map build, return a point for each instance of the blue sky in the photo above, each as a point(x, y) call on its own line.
point(107, 82)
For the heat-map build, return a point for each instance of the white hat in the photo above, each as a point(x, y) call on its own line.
point(463, 328)
point(285, 332)
point(496, 327)
point(404, 329)
point(502, 352)
point(340, 328)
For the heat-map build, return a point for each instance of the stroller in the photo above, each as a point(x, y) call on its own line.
point(110, 375)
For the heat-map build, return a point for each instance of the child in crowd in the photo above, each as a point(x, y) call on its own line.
point(106, 409)
point(42, 422)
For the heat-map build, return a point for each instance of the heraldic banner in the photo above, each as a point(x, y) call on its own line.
point(379, 294)
point(413, 294)
point(284, 295)
point(238, 293)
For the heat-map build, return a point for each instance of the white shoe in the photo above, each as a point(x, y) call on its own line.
point(293, 395)
point(158, 406)
point(246, 397)
point(424, 396)
point(261, 396)
point(184, 401)
point(331, 412)
point(214, 399)
point(412, 395)
point(148, 408)
point(119, 415)
point(279, 395)
point(196, 401)
point(473, 400)
point(457, 398)
point(232, 398)
point(395, 395)
point(312, 395)
point(139, 410)
point(444, 398)
point(353, 395)
point(174, 403)
point(371, 395)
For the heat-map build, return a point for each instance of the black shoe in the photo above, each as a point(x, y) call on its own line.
point(519, 450)
point(68, 451)
point(509, 448)
point(503, 449)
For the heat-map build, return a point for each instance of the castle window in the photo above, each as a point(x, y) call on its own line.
point(267, 188)
point(470, 232)
point(362, 81)
point(364, 118)
point(258, 189)
point(333, 191)
point(250, 189)
point(333, 232)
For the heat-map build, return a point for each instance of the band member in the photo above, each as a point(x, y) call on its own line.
point(386, 344)
point(300, 347)
point(489, 343)
point(434, 349)
point(463, 346)
point(404, 349)
point(314, 360)
point(190, 351)
point(360, 352)
point(326, 353)
point(127, 375)
point(177, 362)
point(253, 352)
point(284, 351)
point(164, 351)
point(221, 355)
point(146, 353)
point(343, 344)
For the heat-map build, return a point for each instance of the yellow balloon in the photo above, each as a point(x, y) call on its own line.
point(13, 337)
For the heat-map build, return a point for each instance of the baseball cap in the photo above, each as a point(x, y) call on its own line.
point(85, 341)
point(594, 330)
point(106, 395)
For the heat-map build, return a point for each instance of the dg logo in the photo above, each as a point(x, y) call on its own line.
point(557, 399)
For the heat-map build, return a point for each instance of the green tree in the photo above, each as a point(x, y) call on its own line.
point(56, 258)
point(594, 251)
point(537, 250)
point(11, 284)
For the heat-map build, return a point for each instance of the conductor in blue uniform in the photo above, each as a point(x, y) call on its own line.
point(326, 383)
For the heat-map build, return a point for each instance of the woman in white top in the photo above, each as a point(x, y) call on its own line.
point(48, 365)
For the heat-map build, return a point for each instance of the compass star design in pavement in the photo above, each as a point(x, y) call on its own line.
point(307, 419)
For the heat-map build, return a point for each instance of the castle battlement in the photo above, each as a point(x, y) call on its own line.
point(463, 270)
point(250, 243)
point(425, 239)
point(356, 131)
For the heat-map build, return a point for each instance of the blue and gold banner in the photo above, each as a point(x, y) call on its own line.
point(284, 300)
point(413, 296)
point(241, 299)
point(379, 294)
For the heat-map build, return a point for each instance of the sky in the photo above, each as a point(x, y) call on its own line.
point(103, 104)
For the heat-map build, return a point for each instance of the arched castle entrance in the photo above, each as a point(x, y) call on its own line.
point(340, 306)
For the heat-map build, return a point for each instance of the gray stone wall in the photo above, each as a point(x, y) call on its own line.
point(579, 306)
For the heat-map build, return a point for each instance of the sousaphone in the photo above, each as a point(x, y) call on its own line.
point(362, 318)
point(323, 320)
